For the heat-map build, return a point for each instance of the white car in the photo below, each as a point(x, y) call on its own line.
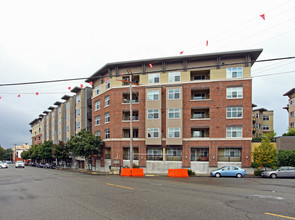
point(3, 165)
point(19, 164)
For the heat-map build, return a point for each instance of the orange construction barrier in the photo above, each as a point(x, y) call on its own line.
point(132, 172)
point(178, 173)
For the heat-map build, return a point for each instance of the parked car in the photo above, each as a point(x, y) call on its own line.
point(26, 163)
point(19, 164)
point(8, 162)
point(3, 165)
point(41, 165)
point(47, 165)
point(280, 172)
point(33, 164)
point(229, 171)
point(53, 166)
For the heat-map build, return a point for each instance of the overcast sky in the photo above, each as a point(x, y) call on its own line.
point(45, 40)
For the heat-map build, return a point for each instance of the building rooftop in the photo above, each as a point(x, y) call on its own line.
point(66, 97)
point(289, 92)
point(57, 103)
point(253, 55)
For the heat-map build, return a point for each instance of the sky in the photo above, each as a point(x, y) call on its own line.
point(48, 40)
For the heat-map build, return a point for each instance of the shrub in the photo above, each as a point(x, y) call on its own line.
point(191, 173)
point(254, 165)
point(258, 172)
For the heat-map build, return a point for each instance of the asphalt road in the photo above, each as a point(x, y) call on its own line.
point(36, 193)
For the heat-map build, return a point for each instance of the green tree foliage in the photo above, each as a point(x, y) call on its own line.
point(265, 155)
point(85, 144)
point(5, 154)
point(60, 151)
point(25, 155)
point(291, 132)
point(34, 152)
point(45, 150)
point(286, 158)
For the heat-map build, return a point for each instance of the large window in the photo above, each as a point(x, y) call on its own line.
point(234, 112)
point(174, 76)
point(265, 117)
point(199, 154)
point(97, 133)
point(107, 134)
point(153, 95)
point(67, 106)
point(97, 105)
point(97, 90)
point(97, 120)
point(78, 99)
point(173, 154)
point(78, 125)
point(173, 113)
point(154, 78)
point(265, 127)
point(153, 113)
point(77, 112)
point(292, 114)
point(107, 84)
point(234, 132)
point(229, 154)
point(126, 153)
point(153, 132)
point(173, 93)
point(107, 117)
point(173, 132)
point(234, 92)
point(232, 152)
point(154, 153)
point(292, 125)
point(107, 101)
point(235, 72)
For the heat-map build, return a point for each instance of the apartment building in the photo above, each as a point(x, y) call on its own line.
point(69, 116)
point(187, 111)
point(36, 133)
point(262, 122)
point(291, 107)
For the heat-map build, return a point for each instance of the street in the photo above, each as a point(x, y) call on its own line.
point(36, 193)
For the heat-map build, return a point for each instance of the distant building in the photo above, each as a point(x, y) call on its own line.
point(262, 122)
point(17, 151)
point(291, 107)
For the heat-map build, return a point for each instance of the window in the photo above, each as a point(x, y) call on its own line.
point(235, 72)
point(200, 154)
point(197, 115)
point(97, 133)
point(107, 84)
point(292, 114)
point(199, 96)
point(257, 115)
point(107, 117)
point(174, 76)
point(234, 112)
point(265, 127)
point(67, 106)
point(154, 78)
point(107, 153)
point(67, 117)
point(78, 99)
point(199, 77)
point(153, 95)
point(107, 134)
point(77, 112)
point(68, 128)
point(77, 125)
point(153, 132)
point(174, 154)
point(59, 121)
point(107, 101)
point(291, 102)
point(198, 133)
point(173, 113)
point(154, 153)
point(173, 132)
point(292, 124)
point(153, 113)
point(59, 131)
point(97, 120)
point(232, 152)
point(97, 105)
point(234, 92)
point(97, 90)
point(265, 117)
point(59, 110)
point(234, 132)
point(173, 93)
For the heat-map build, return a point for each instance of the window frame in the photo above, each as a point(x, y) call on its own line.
point(237, 129)
point(97, 105)
point(97, 120)
point(173, 132)
point(173, 112)
point(231, 90)
point(152, 132)
point(231, 71)
point(107, 101)
point(152, 94)
point(107, 117)
point(172, 94)
point(152, 113)
point(172, 76)
point(152, 78)
point(234, 110)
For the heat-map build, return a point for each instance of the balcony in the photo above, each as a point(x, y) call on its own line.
point(126, 98)
point(200, 154)
point(200, 94)
point(126, 133)
point(126, 115)
point(200, 75)
point(200, 132)
point(200, 114)
point(135, 79)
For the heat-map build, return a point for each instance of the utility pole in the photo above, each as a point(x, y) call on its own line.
point(131, 117)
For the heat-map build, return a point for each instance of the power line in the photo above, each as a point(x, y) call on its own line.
point(140, 73)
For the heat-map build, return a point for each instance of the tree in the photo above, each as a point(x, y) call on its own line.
point(60, 151)
point(291, 132)
point(25, 155)
point(34, 152)
point(286, 158)
point(85, 144)
point(45, 151)
point(266, 154)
